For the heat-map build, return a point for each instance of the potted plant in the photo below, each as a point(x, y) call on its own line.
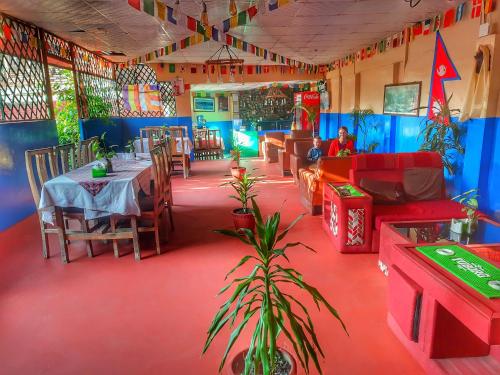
point(244, 188)
point(104, 152)
point(360, 117)
point(470, 206)
point(265, 293)
point(441, 134)
point(130, 147)
point(238, 170)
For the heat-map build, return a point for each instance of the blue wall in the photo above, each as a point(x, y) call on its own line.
point(16, 202)
point(478, 168)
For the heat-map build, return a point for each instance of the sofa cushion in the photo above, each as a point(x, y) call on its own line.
point(393, 175)
point(374, 161)
point(301, 134)
point(419, 159)
point(384, 192)
point(301, 148)
point(423, 184)
point(421, 210)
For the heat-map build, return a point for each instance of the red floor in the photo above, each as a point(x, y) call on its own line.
point(107, 315)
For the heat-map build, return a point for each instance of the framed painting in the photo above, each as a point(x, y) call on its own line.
point(223, 103)
point(204, 104)
point(402, 99)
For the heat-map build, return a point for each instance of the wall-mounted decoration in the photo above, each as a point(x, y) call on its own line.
point(223, 103)
point(204, 104)
point(402, 99)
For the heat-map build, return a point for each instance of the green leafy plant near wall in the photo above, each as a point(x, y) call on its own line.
point(442, 134)
point(66, 112)
point(360, 119)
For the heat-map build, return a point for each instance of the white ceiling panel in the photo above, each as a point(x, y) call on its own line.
point(313, 31)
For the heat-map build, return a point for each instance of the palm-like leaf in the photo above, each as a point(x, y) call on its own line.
point(260, 292)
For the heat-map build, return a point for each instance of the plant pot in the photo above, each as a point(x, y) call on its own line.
point(238, 364)
point(238, 172)
point(243, 219)
point(109, 166)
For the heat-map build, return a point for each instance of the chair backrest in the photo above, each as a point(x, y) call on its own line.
point(41, 167)
point(301, 133)
point(84, 152)
point(153, 134)
point(66, 157)
point(177, 135)
point(159, 177)
point(301, 148)
point(201, 139)
point(277, 138)
point(214, 139)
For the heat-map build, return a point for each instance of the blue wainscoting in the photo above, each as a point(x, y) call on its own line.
point(478, 168)
point(16, 202)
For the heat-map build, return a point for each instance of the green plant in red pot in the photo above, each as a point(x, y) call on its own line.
point(244, 188)
point(267, 294)
point(237, 171)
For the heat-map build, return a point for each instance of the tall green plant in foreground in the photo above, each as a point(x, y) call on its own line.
point(244, 188)
point(262, 293)
point(441, 134)
point(360, 117)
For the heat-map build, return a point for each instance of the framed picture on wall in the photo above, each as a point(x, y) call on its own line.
point(204, 104)
point(402, 99)
point(223, 104)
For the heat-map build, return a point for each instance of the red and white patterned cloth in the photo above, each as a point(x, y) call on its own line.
point(117, 193)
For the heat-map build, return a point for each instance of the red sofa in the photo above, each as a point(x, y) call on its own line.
point(391, 167)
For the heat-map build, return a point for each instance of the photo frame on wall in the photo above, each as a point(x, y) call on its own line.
point(204, 104)
point(223, 102)
point(402, 99)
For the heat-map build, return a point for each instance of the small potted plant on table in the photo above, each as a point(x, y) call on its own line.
point(470, 206)
point(265, 292)
point(244, 188)
point(104, 152)
point(130, 147)
point(237, 171)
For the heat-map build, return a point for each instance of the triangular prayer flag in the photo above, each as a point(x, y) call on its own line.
point(135, 4)
point(226, 25)
point(416, 29)
point(476, 8)
point(449, 17)
point(215, 34)
point(460, 12)
point(427, 26)
point(170, 16)
point(160, 7)
point(233, 21)
point(229, 39)
point(148, 6)
point(242, 18)
point(191, 23)
point(437, 23)
point(273, 5)
point(252, 12)
point(489, 6)
point(199, 27)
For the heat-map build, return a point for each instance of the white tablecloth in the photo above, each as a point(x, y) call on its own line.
point(116, 193)
point(187, 145)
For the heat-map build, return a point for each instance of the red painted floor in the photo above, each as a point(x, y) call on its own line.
point(110, 316)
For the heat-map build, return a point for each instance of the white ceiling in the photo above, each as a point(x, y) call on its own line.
point(312, 31)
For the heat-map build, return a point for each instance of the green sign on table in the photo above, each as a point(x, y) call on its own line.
point(346, 191)
point(471, 269)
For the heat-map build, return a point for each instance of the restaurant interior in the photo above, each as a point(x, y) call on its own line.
point(312, 182)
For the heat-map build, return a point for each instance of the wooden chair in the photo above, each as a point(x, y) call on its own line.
point(201, 143)
point(169, 201)
point(152, 208)
point(177, 135)
point(45, 169)
point(153, 134)
point(85, 153)
point(215, 144)
point(67, 157)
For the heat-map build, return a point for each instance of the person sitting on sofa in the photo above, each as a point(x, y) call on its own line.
point(342, 144)
point(315, 152)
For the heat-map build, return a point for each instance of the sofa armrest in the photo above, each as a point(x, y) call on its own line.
point(296, 163)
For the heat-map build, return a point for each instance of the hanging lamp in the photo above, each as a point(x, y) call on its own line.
point(233, 10)
point(204, 15)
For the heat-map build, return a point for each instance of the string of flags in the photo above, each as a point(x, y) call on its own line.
point(165, 13)
point(430, 25)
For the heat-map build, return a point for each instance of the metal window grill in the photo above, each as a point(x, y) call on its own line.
point(95, 85)
point(57, 47)
point(23, 90)
point(143, 74)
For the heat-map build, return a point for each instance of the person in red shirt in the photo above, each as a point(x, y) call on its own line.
point(341, 143)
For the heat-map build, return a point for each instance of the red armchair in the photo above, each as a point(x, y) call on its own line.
point(273, 141)
point(285, 153)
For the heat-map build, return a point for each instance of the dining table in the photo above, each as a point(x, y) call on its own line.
point(115, 194)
